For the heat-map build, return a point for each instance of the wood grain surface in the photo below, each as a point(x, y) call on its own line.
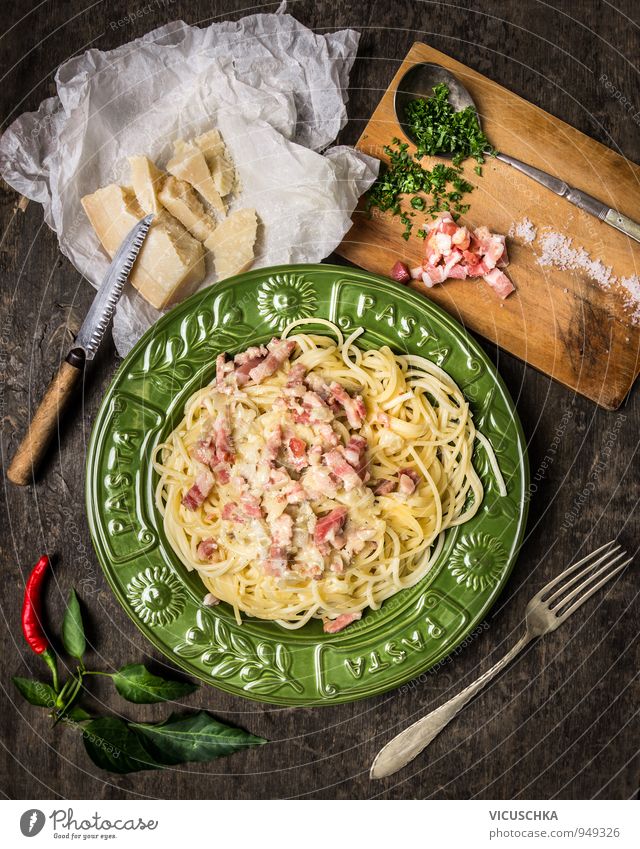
point(560, 321)
point(562, 721)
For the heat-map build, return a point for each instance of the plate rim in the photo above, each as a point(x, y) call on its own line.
point(421, 303)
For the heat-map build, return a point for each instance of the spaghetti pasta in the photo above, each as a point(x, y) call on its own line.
point(315, 479)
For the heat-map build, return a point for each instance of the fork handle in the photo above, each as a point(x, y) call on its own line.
point(410, 742)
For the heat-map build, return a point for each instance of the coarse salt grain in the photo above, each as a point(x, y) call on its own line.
point(524, 230)
point(558, 250)
point(631, 286)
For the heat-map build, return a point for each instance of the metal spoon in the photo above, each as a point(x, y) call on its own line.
point(418, 83)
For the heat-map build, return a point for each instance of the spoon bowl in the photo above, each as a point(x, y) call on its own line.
point(418, 83)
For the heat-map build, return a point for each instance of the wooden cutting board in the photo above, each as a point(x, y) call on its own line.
point(560, 321)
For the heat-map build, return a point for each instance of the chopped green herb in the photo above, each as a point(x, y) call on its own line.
point(439, 129)
point(478, 170)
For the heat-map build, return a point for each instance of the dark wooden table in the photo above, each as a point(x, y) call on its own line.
point(563, 721)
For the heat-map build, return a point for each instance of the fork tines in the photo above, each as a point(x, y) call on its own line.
point(599, 567)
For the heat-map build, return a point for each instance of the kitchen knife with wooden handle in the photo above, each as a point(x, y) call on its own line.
point(46, 421)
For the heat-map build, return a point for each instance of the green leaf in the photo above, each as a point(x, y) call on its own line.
point(193, 737)
point(36, 692)
point(136, 684)
point(77, 714)
point(73, 637)
point(114, 746)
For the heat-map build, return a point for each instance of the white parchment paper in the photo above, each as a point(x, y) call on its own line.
point(276, 91)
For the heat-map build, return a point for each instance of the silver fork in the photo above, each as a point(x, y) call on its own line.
point(546, 611)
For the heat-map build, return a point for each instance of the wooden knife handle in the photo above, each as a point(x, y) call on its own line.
point(43, 425)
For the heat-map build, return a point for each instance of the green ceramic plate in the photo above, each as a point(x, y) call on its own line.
point(259, 660)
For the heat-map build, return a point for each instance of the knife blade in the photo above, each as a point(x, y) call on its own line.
point(101, 310)
point(46, 420)
point(577, 197)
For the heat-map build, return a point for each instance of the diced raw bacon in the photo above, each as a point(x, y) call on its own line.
point(443, 243)
point(499, 282)
point(475, 265)
point(400, 272)
point(282, 531)
point(296, 374)
point(208, 549)
point(246, 361)
point(458, 272)
point(345, 473)
point(490, 246)
point(433, 274)
point(503, 262)
point(231, 512)
point(276, 564)
point(452, 251)
point(408, 481)
point(332, 626)
point(222, 433)
point(328, 528)
point(353, 407)
point(461, 238)
point(384, 487)
point(198, 492)
point(452, 260)
point(355, 454)
point(446, 224)
point(279, 352)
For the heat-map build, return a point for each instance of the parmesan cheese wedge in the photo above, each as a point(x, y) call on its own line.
point(189, 165)
point(182, 202)
point(147, 181)
point(170, 261)
point(232, 243)
point(215, 152)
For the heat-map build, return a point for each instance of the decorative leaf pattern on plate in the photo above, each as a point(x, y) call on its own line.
point(263, 668)
point(169, 361)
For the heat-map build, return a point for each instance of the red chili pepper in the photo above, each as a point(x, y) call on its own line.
point(32, 616)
